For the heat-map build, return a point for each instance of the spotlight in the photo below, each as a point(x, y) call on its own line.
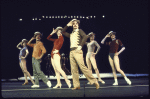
point(61, 16)
point(20, 19)
point(58, 16)
point(43, 16)
point(68, 16)
point(39, 19)
point(71, 16)
point(55, 16)
point(87, 17)
point(94, 16)
point(33, 19)
point(74, 16)
point(103, 16)
point(91, 16)
point(83, 17)
point(65, 16)
point(80, 16)
point(52, 16)
point(49, 16)
point(77, 16)
point(46, 16)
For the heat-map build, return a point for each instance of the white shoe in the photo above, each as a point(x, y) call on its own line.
point(115, 83)
point(49, 84)
point(128, 81)
point(101, 81)
point(35, 86)
point(88, 83)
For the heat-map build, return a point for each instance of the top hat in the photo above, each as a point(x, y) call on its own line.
point(24, 40)
point(37, 33)
point(112, 32)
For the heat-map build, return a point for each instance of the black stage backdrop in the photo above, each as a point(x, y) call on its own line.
point(128, 18)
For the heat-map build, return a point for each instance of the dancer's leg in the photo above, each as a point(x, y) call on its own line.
point(74, 71)
point(93, 61)
point(117, 65)
point(22, 68)
point(113, 70)
point(56, 72)
point(88, 62)
point(26, 72)
point(59, 69)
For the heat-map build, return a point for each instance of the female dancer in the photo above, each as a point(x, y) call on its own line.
point(55, 56)
point(113, 55)
point(90, 56)
point(22, 60)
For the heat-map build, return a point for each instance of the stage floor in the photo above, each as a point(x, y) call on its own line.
point(139, 88)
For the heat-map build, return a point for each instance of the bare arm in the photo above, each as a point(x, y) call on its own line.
point(18, 45)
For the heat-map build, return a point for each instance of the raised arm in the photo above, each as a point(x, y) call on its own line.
point(49, 37)
point(65, 33)
point(105, 38)
point(19, 45)
point(29, 43)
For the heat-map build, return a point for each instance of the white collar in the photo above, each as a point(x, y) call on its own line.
point(76, 30)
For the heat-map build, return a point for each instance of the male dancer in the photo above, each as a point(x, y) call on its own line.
point(38, 52)
point(77, 40)
point(113, 56)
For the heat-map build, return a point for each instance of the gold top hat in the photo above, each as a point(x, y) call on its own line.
point(37, 33)
point(24, 40)
point(76, 20)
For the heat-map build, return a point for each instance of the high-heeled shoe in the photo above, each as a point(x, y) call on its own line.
point(69, 85)
point(101, 81)
point(58, 85)
point(26, 83)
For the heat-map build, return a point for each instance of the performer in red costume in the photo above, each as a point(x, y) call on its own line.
point(55, 56)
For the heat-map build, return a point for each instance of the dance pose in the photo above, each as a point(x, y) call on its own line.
point(90, 56)
point(55, 57)
point(38, 52)
point(77, 40)
point(113, 55)
point(22, 60)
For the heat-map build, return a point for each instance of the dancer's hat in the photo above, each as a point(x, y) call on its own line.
point(76, 20)
point(24, 40)
point(37, 33)
point(112, 32)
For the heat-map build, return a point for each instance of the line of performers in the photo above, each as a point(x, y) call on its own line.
point(78, 38)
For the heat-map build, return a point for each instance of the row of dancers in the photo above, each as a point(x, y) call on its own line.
point(78, 39)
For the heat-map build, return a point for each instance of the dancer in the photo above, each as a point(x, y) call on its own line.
point(55, 57)
point(113, 56)
point(22, 60)
point(38, 52)
point(77, 40)
point(90, 56)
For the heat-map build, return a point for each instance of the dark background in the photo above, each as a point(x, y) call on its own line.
point(129, 18)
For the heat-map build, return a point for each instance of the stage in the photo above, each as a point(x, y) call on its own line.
point(139, 88)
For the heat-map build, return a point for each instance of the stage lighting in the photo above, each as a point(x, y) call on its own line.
point(39, 19)
point(43, 16)
point(61, 16)
point(103, 16)
point(83, 17)
point(55, 16)
point(77, 16)
point(80, 16)
point(46, 16)
point(74, 16)
point(58, 16)
point(20, 19)
point(91, 16)
point(71, 16)
point(52, 16)
point(87, 17)
point(94, 16)
point(65, 16)
point(68, 16)
point(49, 16)
point(35, 18)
